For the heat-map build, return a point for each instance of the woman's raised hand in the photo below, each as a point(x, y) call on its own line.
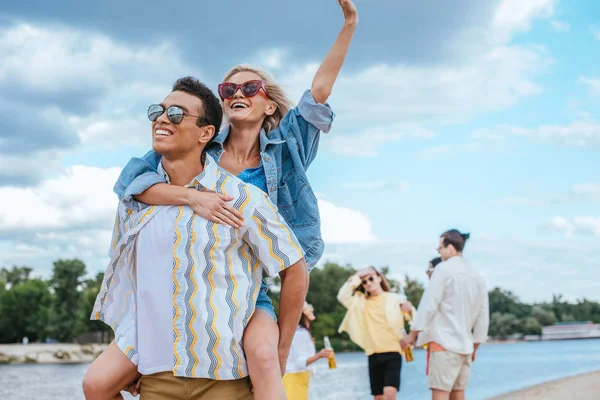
point(349, 9)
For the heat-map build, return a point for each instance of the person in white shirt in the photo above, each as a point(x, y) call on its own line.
point(452, 319)
point(302, 355)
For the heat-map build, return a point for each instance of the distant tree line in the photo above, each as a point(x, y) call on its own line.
point(59, 308)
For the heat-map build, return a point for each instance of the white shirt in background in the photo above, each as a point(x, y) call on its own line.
point(301, 349)
point(454, 309)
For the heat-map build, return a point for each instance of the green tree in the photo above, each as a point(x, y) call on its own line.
point(503, 325)
point(66, 282)
point(413, 290)
point(322, 294)
point(530, 326)
point(545, 316)
point(91, 287)
point(14, 276)
point(25, 311)
point(505, 302)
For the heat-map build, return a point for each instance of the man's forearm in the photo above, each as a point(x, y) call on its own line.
point(291, 301)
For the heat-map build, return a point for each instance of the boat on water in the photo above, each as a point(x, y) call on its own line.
point(571, 330)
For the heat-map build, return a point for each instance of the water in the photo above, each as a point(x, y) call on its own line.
point(498, 369)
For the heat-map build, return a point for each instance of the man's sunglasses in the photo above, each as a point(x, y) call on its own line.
point(249, 89)
point(369, 279)
point(174, 113)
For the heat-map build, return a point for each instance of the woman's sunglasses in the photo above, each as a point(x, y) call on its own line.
point(369, 279)
point(174, 113)
point(249, 89)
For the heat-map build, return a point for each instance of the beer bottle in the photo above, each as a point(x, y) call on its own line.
point(331, 359)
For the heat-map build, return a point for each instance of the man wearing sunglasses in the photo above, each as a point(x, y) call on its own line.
point(180, 289)
point(453, 319)
point(375, 321)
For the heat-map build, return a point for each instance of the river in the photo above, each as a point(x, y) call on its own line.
point(499, 368)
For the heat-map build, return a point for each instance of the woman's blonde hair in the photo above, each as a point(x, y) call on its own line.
point(276, 94)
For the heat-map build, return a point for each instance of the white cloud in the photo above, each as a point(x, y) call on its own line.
point(519, 201)
point(377, 185)
point(342, 225)
point(437, 151)
point(592, 83)
point(583, 192)
point(587, 191)
point(559, 26)
point(368, 142)
point(582, 134)
point(112, 132)
point(80, 196)
point(98, 86)
point(79, 58)
point(579, 225)
point(513, 16)
point(72, 215)
point(577, 134)
point(596, 32)
point(272, 59)
point(495, 80)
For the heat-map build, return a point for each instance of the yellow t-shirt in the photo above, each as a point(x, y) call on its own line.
point(379, 337)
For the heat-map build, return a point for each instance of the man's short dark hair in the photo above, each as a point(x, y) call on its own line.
point(455, 238)
point(211, 107)
point(435, 261)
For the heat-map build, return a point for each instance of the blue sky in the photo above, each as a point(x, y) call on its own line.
point(480, 115)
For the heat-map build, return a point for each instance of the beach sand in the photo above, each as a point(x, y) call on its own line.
point(579, 387)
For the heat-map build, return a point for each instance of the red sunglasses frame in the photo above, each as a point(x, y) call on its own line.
point(241, 86)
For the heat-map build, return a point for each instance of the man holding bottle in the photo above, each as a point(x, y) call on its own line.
point(453, 320)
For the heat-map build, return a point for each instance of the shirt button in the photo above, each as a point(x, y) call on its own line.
point(267, 158)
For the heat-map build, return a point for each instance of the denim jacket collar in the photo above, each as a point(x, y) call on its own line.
point(264, 139)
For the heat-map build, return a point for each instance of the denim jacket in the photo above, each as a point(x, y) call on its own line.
point(286, 153)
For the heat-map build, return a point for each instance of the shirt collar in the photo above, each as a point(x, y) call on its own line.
point(205, 180)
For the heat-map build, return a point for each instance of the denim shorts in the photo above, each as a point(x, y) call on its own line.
point(263, 301)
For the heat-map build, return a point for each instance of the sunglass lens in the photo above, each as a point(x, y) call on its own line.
point(155, 111)
point(175, 114)
point(250, 88)
point(227, 90)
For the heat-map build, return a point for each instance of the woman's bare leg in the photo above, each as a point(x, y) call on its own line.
point(260, 345)
point(108, 375)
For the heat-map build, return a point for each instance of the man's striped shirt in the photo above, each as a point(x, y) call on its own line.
point(216, 276)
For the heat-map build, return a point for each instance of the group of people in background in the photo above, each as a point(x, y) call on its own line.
point(451, 321)
point(222, 200)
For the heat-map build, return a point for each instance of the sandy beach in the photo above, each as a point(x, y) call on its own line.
point(579, 387)
point(43, 353)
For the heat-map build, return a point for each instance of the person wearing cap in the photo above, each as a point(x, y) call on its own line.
point(452, 318)
point(302, 355)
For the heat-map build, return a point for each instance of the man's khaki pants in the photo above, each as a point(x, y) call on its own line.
point(164, 385)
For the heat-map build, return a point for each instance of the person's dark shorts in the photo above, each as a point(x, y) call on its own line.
point(384, 370)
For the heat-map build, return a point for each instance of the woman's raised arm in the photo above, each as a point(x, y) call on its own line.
point(327, 73)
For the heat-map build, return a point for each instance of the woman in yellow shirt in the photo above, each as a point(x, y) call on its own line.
point(375, 322)
point(302, 354)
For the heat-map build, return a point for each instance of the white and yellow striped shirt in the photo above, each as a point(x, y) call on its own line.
point(216, 276)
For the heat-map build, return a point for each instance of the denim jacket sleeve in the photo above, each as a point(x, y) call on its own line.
point(304, 123)
point(138, 175)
